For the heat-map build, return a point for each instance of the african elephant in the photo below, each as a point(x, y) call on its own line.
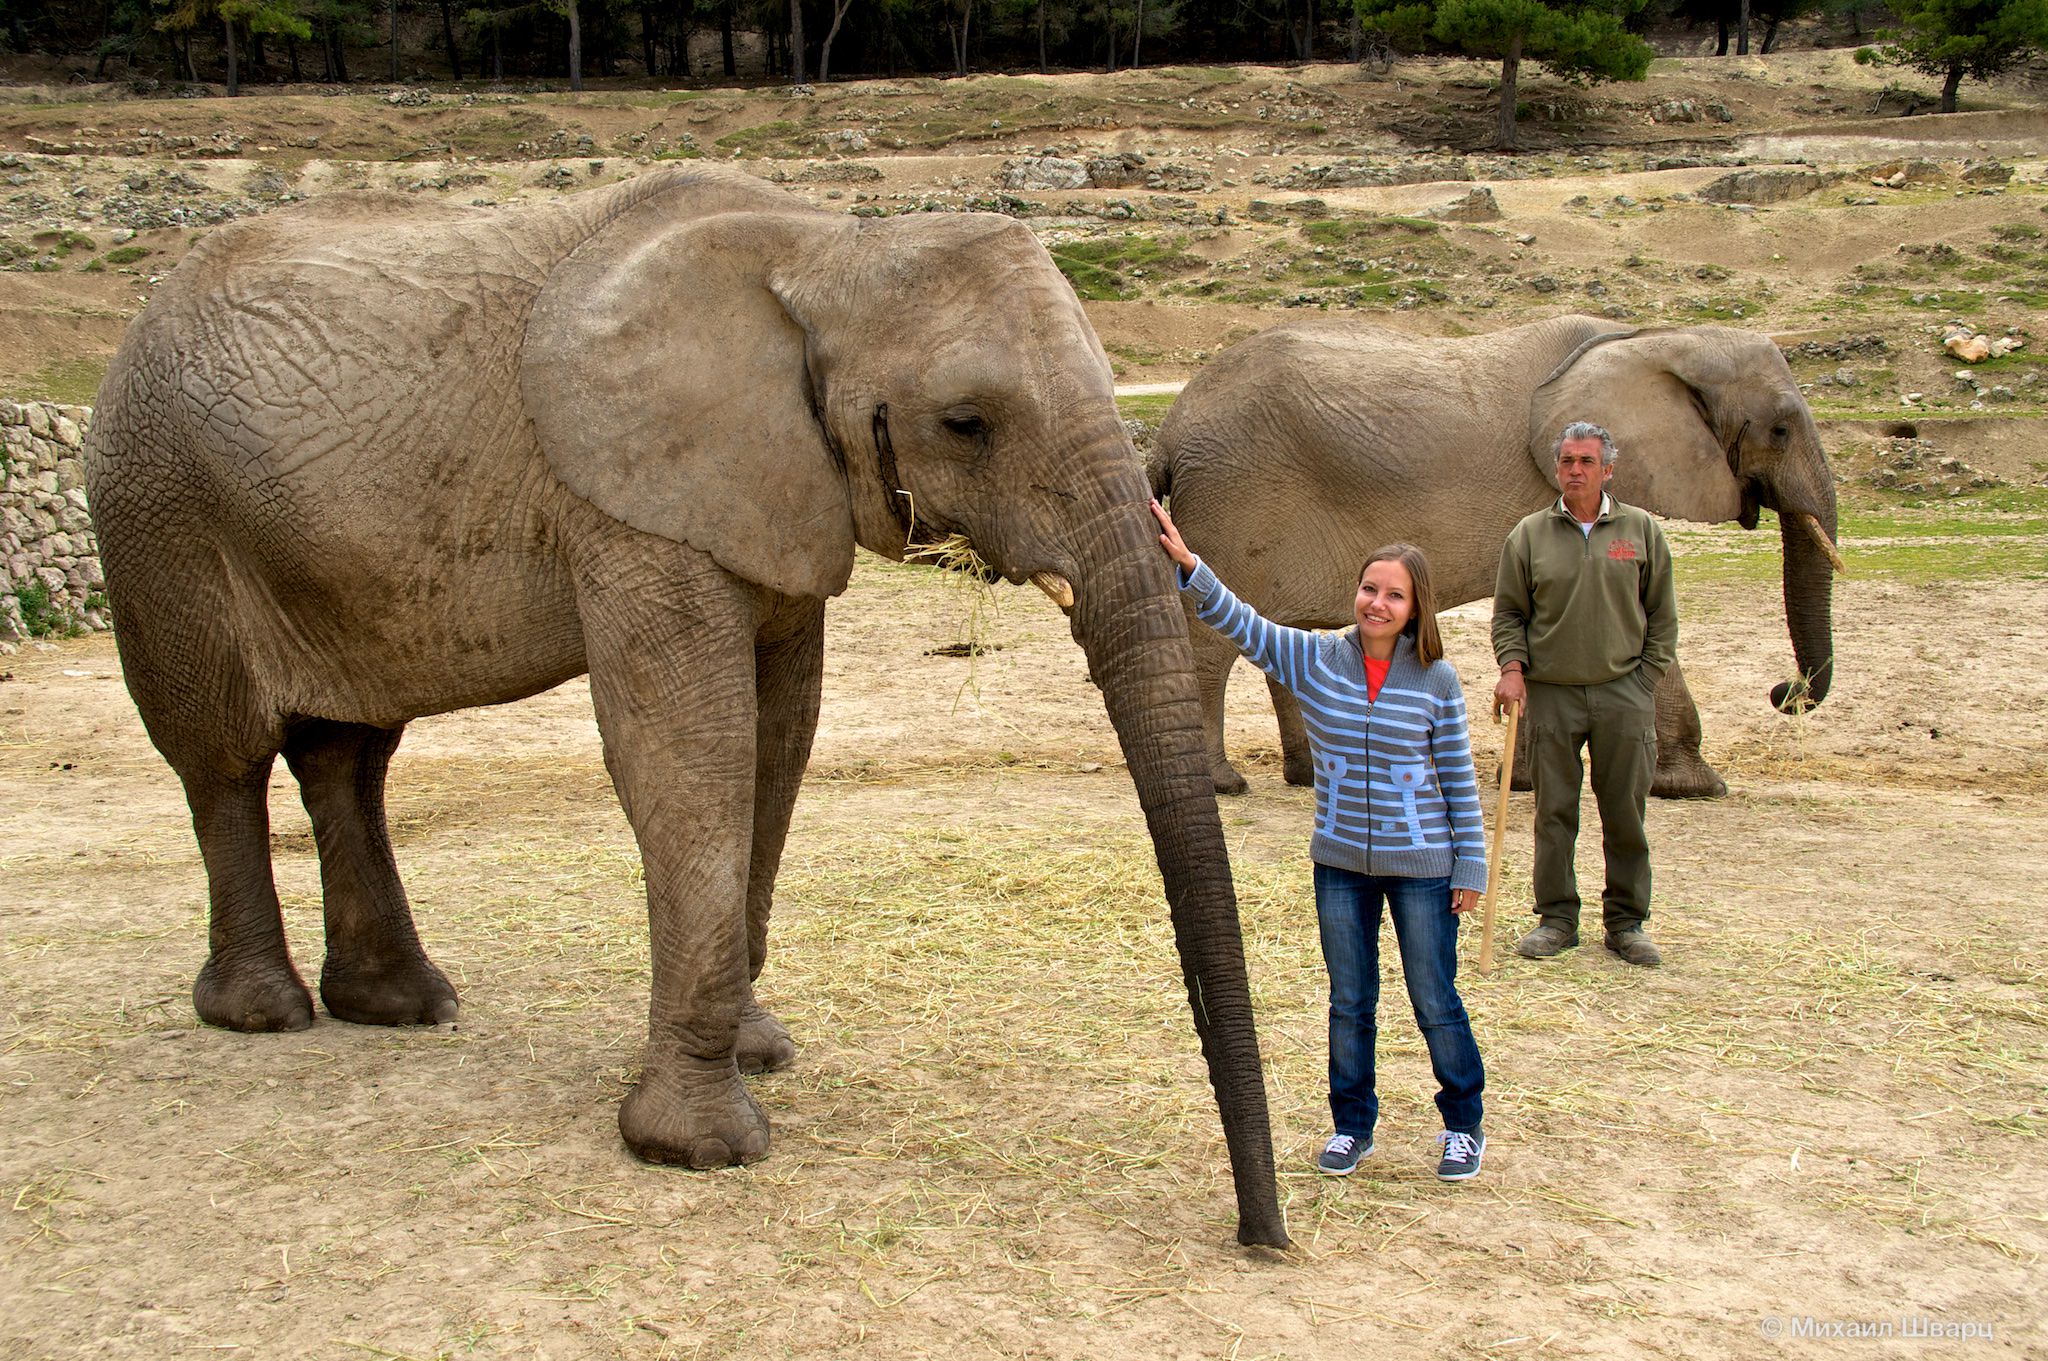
point(372, 459)
point(1301, 449)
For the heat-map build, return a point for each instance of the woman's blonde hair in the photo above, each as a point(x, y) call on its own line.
point(1421, 627)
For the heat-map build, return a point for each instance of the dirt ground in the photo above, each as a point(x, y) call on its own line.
point(997, 1139)
point(1825, 1114)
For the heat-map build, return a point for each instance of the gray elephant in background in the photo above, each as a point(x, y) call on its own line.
point(372, 459)
point(1301, 449)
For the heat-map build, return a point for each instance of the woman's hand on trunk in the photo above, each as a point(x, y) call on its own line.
point(1171, 541)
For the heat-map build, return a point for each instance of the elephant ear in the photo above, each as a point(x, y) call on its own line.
point(670, 388)
point(1652, 391)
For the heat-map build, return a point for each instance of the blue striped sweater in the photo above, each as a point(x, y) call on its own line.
point(1396, 794)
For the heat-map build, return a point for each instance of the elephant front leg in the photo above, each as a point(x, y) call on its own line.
point(1682, 773)
point(789, 671)
point(671, 651)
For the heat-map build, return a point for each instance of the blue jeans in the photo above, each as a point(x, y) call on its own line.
point(1348, 912)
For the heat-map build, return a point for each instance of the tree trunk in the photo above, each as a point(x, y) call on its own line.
point(391, 15)
point(1041, 37)
point(1949, 85)
point(1721, 31)
point(725, 37)
point(1510, 74)
point(796, 42)
point(291, 53)
point(497, 53)
point(234, 76)
point(337, 57)
point(448, 40)
point(1770, 36)
point(575, 46)
point(1742, 32)
point(647, 48)
point(1138, 38)
point(839, 8)
point(960, 46)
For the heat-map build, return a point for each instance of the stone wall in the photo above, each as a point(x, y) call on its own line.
point(50, 557)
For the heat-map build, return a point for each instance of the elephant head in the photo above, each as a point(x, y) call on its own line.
point(772, 386)
point(1711, 427)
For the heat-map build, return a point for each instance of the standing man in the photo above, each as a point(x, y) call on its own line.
point(1585, 623)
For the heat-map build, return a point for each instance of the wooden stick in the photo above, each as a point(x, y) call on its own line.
point(1500, 837)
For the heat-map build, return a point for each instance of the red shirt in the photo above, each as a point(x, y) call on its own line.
point(1375, 675)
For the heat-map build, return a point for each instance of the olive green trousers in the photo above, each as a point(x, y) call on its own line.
point(1616, 726)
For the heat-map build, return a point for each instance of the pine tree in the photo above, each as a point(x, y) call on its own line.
point(1571, 37)
point(1957, 38)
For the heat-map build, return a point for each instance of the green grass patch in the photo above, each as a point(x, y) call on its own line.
point(1150, 408)
point(68, 382)
point(61, 243)
point(1102, 269)
point(1350, 230)
point(40, 615)
point(764, 139)
point(124, 255)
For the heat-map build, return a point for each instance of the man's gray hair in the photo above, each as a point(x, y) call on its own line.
point(1586, 430)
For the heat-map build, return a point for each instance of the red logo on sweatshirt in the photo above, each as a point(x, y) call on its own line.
point(1622, 550)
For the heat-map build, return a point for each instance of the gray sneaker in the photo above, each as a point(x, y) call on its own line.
point(1546, 940)
point(1635, 947)
point(1462, 1153)
point(1341, 1155)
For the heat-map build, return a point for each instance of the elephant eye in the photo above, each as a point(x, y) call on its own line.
point(966, 425)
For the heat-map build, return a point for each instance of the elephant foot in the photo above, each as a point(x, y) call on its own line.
point(408, 991)
point(251, 999)
point(1687, 777)
point(764, 1045)
point(707, 1120)
point(1298, 771)
point(1521, 783)
point(1228, 781)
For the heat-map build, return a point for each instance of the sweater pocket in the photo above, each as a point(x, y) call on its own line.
point(1410, 779)
point(1330, 770)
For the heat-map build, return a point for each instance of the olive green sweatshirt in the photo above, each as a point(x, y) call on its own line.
point(1584, 609)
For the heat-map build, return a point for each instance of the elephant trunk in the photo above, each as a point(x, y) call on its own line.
point(1809, 589)
point(1127, 618)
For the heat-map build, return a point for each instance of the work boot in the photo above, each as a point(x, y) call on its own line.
point(1635, 947)
point(1546, 940)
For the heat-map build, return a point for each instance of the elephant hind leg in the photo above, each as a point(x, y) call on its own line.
point(248, 982)
point(375, 972)
point(1214, 656)
point(1682, 772)
point(1297, 762)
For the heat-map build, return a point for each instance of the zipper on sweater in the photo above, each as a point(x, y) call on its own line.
point(1368, 773)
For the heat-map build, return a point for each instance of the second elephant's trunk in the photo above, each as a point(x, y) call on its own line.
point(1809, 598)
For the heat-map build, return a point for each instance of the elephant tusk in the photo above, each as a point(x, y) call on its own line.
point(1055, 585)
point(1820, 536)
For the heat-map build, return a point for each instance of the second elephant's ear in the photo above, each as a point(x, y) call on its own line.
point(670, 389)
point(1642, 388)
